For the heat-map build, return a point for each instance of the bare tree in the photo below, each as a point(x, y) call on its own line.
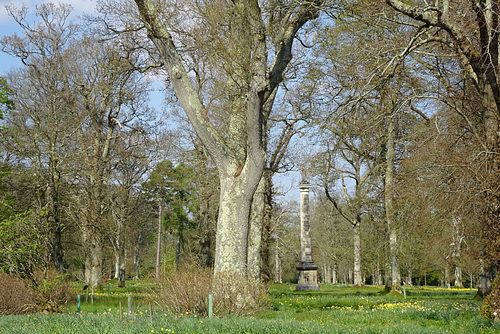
point(470, 29)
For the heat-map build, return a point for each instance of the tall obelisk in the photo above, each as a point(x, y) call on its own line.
point(308, 271)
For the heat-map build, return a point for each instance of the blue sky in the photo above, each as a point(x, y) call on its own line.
point(8, 26)
point(80, 6)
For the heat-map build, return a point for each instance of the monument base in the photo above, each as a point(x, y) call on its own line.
point(308, 277)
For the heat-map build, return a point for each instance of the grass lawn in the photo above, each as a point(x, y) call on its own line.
point(333, 309)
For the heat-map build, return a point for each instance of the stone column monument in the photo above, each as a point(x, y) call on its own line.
point(308, 271)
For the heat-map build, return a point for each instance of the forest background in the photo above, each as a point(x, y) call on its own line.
point(388, 109)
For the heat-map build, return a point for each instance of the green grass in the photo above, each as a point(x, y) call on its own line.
point(333, 309)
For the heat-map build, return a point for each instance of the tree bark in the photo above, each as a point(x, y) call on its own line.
point(447, 283)
point(328, 273)
point(254, 258)
point(117, 264)
point(206, 216)
point(137, 258)
point(456, 246)
point(358, 280)
point(158, 245)
point(53, 218)
point(277, 263)
point(389, 205)
point(266, 272)
point(240, 157)
point(94, 256)
point(232, 229)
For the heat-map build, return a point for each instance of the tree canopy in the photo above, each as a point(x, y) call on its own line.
point(390, 109)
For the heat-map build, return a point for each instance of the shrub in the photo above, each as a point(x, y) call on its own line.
point(22, 243)
point(52, 291)
point(46, 292)
point(186, 291)
point(237, 295)
point(16, 297)
point(491, 304)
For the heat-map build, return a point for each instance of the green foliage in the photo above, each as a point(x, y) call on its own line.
point(5, 101)
point(169, 181)
point(22, 244)
point(173, 187)
point(491, 304)
point(52, 291)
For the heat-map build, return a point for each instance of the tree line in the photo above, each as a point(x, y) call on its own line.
point(389, 109)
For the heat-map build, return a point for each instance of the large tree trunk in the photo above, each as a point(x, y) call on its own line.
point(446, 281)
point(254, 259)
point(458, 277)
point(120, 259)
point(488, 273)
point(490, 182)
point(387, 269)
point(456, 246)
point(178, 247)
point(137, 258)
point(232, 228)
point(121, 268)
point(277, 263)
point(53, 219)
point(266, 272)
point(94, 256)
point(206, 216)
point(389, 206)
point(260, 229)
point(52, 207)
point(239, 156)
point(358, 280)
point(118, 243)
point(117, 264)
point(92, 234)
point(158, 242)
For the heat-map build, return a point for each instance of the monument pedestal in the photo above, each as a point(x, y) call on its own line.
point(308, 277)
